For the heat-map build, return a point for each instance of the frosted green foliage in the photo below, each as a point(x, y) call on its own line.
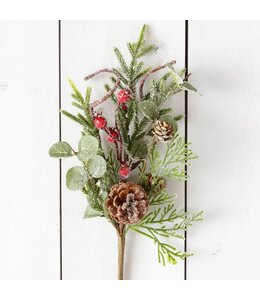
point(88, 147)
point(83, 118)
point(91, 213)
point(172, 163)
point(60, 150)
point(190, 88)
point(149, 109)
point(166, 222)
point(97, 166)
point(76, 178)
point(92, 191)
point(136, 146)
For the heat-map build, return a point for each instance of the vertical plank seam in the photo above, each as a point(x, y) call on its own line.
point(60, 162)
point(186, 136)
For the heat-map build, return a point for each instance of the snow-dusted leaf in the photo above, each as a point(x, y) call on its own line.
point(61, 149)
point(176, 77)
point(88, 147)
point(97, 166)
point(91, 213)
point(188, 87)
point(76, 178)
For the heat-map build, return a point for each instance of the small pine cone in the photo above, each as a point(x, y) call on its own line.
point(127, 203)
point(154, 183)
point(163, 131)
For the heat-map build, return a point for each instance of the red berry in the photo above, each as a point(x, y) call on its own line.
point(124, 107)
point(110, 139)
point(112, 136)
point(100, 122)
point(124, 171)
point(123, 96)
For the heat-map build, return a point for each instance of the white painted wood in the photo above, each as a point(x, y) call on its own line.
point(90, 246)
point(224, 128)
point(29, 193)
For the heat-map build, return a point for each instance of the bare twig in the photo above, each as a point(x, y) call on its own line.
point(187, 76)
point(111, 92)
point(151, 72)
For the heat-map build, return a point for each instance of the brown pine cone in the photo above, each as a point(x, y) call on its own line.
point(127, 203)
point(153, 183)
point(163, 131)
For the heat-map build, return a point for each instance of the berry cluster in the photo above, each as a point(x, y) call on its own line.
point(113, 133)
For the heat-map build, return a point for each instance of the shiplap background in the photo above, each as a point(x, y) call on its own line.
point(223, 127)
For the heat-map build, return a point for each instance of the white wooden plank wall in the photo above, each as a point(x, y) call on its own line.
point(223, 128)
point(29, 190)
point(90, 246)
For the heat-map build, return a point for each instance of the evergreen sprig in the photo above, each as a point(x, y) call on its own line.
point(177, 154)
point(161, 197)
point(92, 192)
point(134, 144)
point(82, 103)
point(166, 222)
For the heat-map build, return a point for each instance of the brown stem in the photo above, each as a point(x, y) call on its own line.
point(110, 93)
point(151, 72)
point(121, 252)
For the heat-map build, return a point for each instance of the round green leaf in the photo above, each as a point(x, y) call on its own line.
point(91, 213)
point(61, 149)
point(76, 178)
point(97, 166)
point(88, 147)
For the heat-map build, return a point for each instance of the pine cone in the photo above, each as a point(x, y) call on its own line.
point(163, 131)
point(127, 203)
point(153, 183)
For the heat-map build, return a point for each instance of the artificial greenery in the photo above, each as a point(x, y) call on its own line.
point(140, 117)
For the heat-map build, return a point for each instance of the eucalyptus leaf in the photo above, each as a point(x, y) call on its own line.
point(61, 149)
point(149, 109)
point(97, 166)
point(76, 178)
point(188, 87)
point(91, 213)
point(88, 147)
point(103, 195)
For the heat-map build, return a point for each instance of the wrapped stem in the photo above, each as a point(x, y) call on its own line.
point(121, 254)
point(110, 93)
point(151, 72)
point(121, 250)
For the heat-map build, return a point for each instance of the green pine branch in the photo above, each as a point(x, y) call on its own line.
point(121, 61)
point(92, 192)
point(72, 117)
point(83, 104)
point(76, 95)
point(111, 176)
